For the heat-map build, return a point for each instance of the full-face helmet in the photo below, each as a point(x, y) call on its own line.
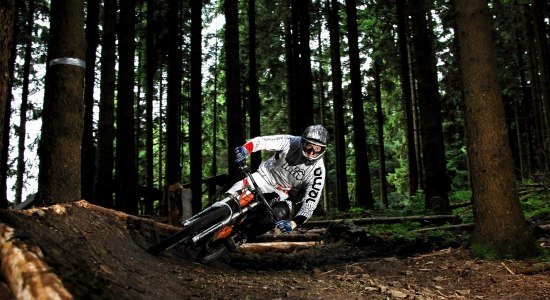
point(314, 142)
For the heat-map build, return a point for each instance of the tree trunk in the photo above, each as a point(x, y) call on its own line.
point(4, 149)
point(151, 68)
point(173, 113)
point(173, 196)
point(524, 134)
point(195, 115)
point(125, 166)
point(161, 134)
point(293, 68)
point(62, 115)
point(88, 146)
point(534, 102)
point(541, 42)
point(322, 108)
point(380, 135)
point(214, 167)
point(304, 80)
point(104, 186)
point(253, 97)
point(7, 19)
point(437, 183)
point(24, 106)
point(500, 229)
point(416, 126)
point(412, 163)
point(299, 67)
point(342, 196)
point(290, 75)
point(235, 131)
point(526, 109)
point(363, 190)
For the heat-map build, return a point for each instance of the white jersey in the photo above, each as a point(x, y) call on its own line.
point(288, 170)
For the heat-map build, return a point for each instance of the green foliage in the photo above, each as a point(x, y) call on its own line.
point(407, 205)
point(536, 205)
point(492, 251)
point(357, 211)
point(484, 252)
point(401, 229)
point(405, 236)
point(399, 177)
point(460, 196)
point(394, 231)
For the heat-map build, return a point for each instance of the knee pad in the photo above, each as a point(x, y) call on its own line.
point(281, 210)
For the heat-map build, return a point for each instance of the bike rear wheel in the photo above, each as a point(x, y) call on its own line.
point(209, 218)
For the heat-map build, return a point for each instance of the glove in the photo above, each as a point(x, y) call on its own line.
point(240, 154)
point(284, 226)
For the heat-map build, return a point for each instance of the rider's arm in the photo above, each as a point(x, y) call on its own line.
point(311, 198)
point(269, 143)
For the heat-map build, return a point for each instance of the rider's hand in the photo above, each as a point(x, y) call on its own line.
point(284, 226)
point(240, 154)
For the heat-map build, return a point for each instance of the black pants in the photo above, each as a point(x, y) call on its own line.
point(261, 221)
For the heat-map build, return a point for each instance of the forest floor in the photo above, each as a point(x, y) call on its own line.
point(102, 256)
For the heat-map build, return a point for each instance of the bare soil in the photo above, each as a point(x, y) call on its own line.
point(102, 256)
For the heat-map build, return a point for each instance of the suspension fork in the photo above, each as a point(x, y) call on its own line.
point(257, 191)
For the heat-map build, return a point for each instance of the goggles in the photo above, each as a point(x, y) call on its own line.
point(313, 150)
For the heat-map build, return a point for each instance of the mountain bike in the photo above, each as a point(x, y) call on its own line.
point(226, 224)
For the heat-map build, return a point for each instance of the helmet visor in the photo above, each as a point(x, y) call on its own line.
point(312, 150)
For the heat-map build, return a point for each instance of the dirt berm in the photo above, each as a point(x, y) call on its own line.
point(81, 251)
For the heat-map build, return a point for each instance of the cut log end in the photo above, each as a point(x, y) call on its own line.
point(285, 247)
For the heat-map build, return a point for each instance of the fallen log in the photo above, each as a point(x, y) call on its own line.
point(386, 220)
point(298, 237)
point(62, 207)
point(542, 230)
point(460, 205)
point(123, 216)
point(447, 227)
point(285, 247)
point(313, 230)
point(532, 269)
point(535, 268)
point(24, 271)
point(539, 230)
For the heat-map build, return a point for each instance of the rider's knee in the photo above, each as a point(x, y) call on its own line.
point(281, 210)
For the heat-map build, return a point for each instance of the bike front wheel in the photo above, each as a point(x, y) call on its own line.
point(209, 218)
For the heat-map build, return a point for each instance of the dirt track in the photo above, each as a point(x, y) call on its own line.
point(102, 256)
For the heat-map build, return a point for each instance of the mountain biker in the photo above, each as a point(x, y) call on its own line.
point(296, 168)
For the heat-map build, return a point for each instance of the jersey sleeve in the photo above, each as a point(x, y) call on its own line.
point(314, 189)
point(269, 143)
